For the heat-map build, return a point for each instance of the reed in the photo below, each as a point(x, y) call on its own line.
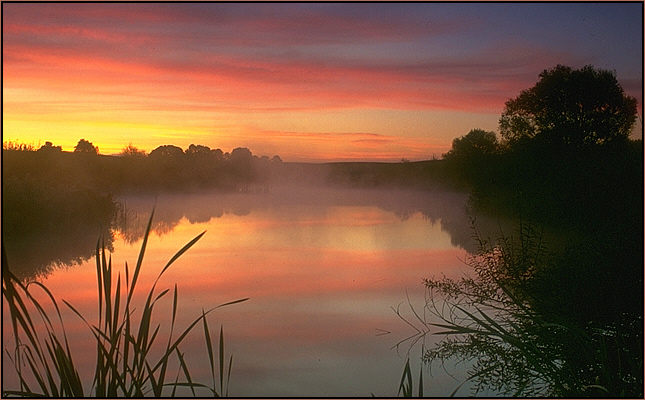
point(125, 363)
point(494, 322)
point(406, 386)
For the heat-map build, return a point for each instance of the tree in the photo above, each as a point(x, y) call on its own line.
point(474, 145)
point(241, 155)
point(472, 157)
point(241, 160)
point(15, 146)
point(198, 151)
point(132, 151)
point(167, 151)
point(570, 107)
point(218, 154)
point(86, 147)
point(48, 147)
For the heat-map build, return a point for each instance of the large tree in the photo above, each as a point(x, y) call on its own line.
point(570, 107)
point(475, 144)
point(167, 152)
point(132, 152)
point(85, 146)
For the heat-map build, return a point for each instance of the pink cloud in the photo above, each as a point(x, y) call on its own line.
point(201, 59)
point(171, 60)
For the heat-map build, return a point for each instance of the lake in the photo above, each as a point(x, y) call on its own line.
point(324, 270)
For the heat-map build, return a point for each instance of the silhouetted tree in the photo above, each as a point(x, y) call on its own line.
point(276, 159)
point(132, 151)
point(570, 107)
point(241, 160)
point(15, 146)
point(471, 156)
point(218, 154)
point(167, 151)
point(85, 146)
point(49, 147)
point(198, 151)
point(241, 154)
point(475, 144)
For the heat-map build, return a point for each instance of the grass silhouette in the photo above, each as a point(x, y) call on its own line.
point(125, 365)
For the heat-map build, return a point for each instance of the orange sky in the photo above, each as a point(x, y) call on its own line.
point(308, 82)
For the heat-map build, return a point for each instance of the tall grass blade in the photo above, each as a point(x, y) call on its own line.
point(124, 349)
point(232, 302)
point(99, 277)
point(405, 386)
point(185, 370)
point(137, 268)
point(421, 381)
point(209, 348)
point(180, 252)
point(228, 375)
point(221, 358)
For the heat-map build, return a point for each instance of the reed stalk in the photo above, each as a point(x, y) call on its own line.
point(124, 336)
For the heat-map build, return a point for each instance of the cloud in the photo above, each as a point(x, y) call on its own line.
point(251, 57)
point(203, 63)
point(269, 84)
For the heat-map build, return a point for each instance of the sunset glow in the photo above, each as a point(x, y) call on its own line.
point(310, 82)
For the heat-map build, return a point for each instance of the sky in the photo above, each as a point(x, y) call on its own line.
point(306, 81)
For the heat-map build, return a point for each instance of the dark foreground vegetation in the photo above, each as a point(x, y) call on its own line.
point(559, 317)
point(125, 335)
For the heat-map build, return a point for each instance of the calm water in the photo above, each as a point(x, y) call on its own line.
point(324, 270)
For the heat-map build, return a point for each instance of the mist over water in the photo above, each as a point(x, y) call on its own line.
point(447, 208)
point(324, 268)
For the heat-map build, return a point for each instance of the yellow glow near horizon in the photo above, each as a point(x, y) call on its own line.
point(124, 76)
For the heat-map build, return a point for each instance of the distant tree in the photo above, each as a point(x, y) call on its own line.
point(217, 154)
point(241, 160)
point(570, 107)
point(167, 151)
point(132, 151)
point(48, 147)
point(198, 151)
point(276, 159)
point(472, 157)
point(475, 144)
point(241, 154)
point(17, 146)
point(86, 147)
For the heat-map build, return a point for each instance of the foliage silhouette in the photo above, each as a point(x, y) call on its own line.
point(125, 364)
point(472, 156)
point(476, 143)
point(132, 151)
point(86, 147)
point(566, 163)
point(48, 147)
point(168, 152)
point(16, 146)
point(495, 318)
point(570, 107)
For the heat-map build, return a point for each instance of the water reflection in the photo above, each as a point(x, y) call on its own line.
point(71, 241)
point(39, 246)
point(448, 208)
point(322, 268)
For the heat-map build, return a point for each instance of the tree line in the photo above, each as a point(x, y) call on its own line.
point(167, 167)
point(563, 151)
point(564, 160)
point(70, 196)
